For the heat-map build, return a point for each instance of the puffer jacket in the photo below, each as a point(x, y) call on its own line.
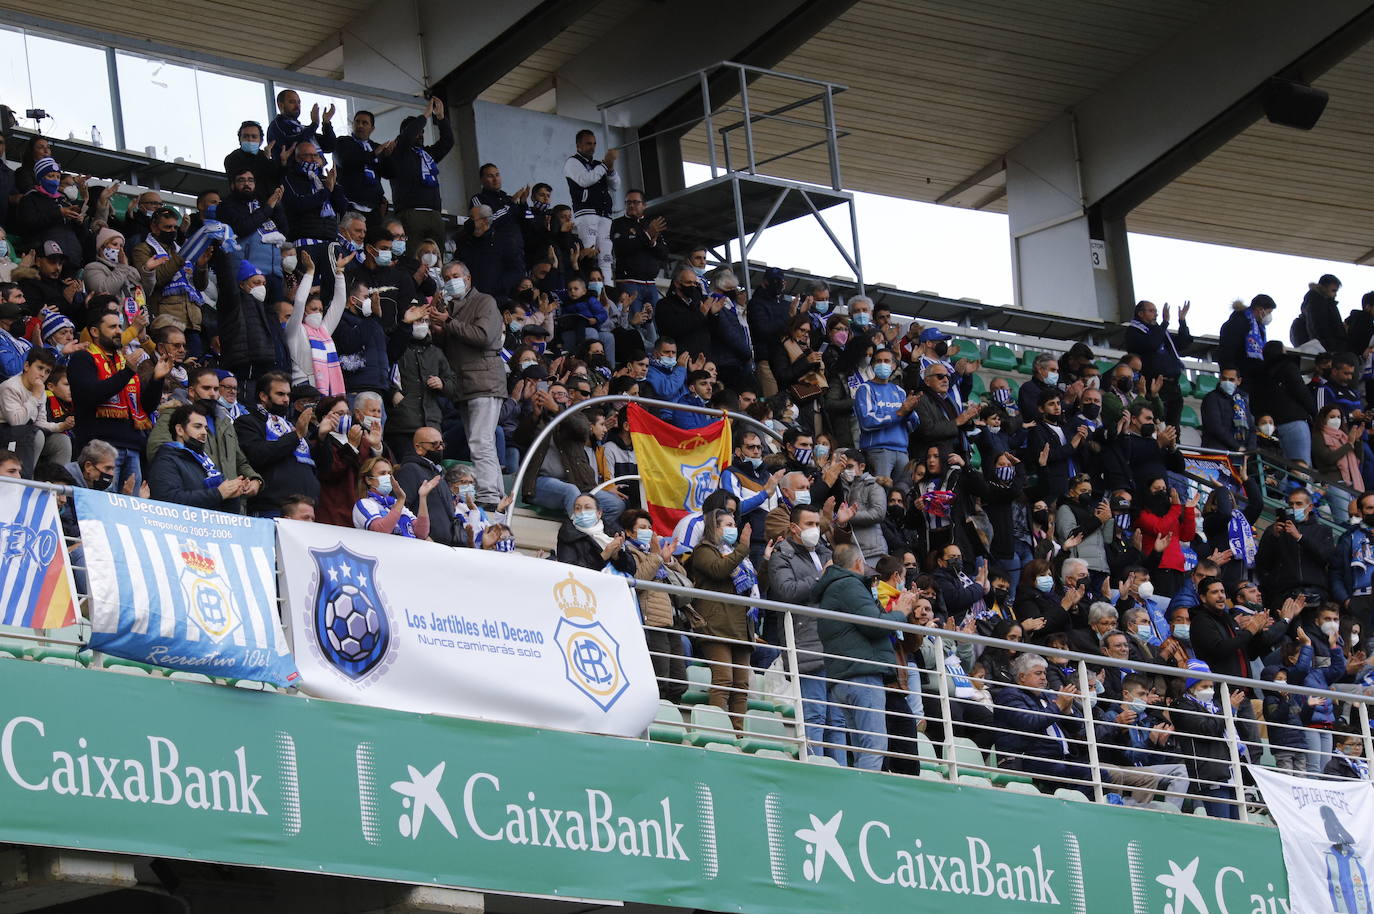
point(472, 341)
point(712, 571)
point(792, 578)
point(853, 649)
point(245, 327)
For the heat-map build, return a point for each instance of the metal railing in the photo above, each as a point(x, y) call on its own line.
point(969, 744)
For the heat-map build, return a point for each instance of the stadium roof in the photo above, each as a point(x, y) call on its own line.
point(940, 90)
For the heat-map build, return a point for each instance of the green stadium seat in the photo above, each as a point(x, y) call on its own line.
point(980, 387)
point(711, 725)
point(62, 656)
point(822, 760)
point(965, 753)
point(1185, 386)
point(772, 753)
point(119, 205)
point(1022, 787)
point(930, 759)
point(766, 730)
point(724, 747)
point(667, 726)
point(1068, 793)
point(1027, 361)
point(1004, 777)
point(999, 358)
point(120, 665)
point(1106, 365)
point(184, 676)
point(968, 349)
point(1190, 419)
point(1206, 383)
point(699, 683)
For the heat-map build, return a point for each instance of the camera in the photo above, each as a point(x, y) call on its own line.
point(1283, 516)
point(35, 114)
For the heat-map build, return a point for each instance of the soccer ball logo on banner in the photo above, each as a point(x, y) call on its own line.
point(350, 623)
point(591, 656)
point(209, 599)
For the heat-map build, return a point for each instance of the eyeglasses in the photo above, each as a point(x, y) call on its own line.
point(937, 377)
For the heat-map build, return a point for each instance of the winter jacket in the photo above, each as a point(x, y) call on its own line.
point(710, 570)
point(176, 476)
point(934, 427)
point(637, 256)
point(1348, 580)
point(247, 222)
point(688, 419)
point(1224, 646)
point(853, 649)
point(870, 507)
point(416, 361)
point(792, 578)
point(90, 392)
point(1202, 738)
point(1179, 520)
point(472, 342)
point(245, 324)
point(414, 470)
point(184, 312)
point(730, 345)
point(1323, 316)
point(282, 474)
point(681, 319)
point(665, 384)
point(1023, 720)
point(1129, 461)
point(1279, 391)
point(104, 278)
point(360, 173)
point(876, 404)
point(1286, 564)
point(1219, 429)
point(403, 167)
point(1157, 356)
point(38, 218)
point(267, 170)
point(361, 343)
point(337, 466)
point(304, 206)
point(222, 446)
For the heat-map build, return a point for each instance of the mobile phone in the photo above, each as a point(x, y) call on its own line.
point(542, 386)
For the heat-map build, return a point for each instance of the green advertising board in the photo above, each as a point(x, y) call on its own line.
point(127, 764)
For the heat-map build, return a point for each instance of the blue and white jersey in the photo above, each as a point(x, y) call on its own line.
point(373, 507)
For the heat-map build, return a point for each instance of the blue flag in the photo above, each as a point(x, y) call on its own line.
point(184, 588)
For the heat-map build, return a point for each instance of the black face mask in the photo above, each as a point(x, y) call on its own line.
point(1147, 430)
point(692, 291)
point(1091, 410)
point(896, 512)
point(1000, 595)
point(210, 406)
point(194, 446)
point(1087, 500)
point(1121, 505)
point(278, 409)
point(103, 482)
point(1123, 385)
point(1041, 517)
point(1159, 502)
point(1369, 520)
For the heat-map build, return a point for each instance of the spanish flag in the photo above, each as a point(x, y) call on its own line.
point(36, 588)
point(678, 468)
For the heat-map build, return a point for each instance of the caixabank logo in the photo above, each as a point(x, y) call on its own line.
point(1192, 885)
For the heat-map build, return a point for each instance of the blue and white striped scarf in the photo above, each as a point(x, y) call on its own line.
point(277, 427)
point(213, 477)
point(210, 232)
point(429, 169)
point(1256, 338)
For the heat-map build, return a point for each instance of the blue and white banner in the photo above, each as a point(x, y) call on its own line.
point(1327, 831)
point(184, 588)
point(398, 623)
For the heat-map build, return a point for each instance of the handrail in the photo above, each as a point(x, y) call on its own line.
point(547, 430)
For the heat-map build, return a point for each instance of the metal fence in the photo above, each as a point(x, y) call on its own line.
point(943, 722)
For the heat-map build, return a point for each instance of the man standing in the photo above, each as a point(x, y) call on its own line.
point(641, 250)
point(1321, 316)
point(1227, 424)
point(1294, 552)
point(221, 441)
point(1149, 338)
point(858, 656)
point(286, 129)
point(281, 452)
point(473, 334)
point(258, 225)
point(1352, 571)
point(109, 399)
point(247, 342)
point(592, 185)
point(886, 416)
point(265, 164)
point(313, 203)
point(1243, 337)
point(414, 172)
point(755, 487)
point(183, 473)
point(507, 219)
point(360, 169)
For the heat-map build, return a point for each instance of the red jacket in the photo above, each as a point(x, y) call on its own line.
point(1180, 520)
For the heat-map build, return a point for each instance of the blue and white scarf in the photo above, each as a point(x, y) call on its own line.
point(312, 171)
point(213, 477)
point(405, 525)
point(1168, 337)
point(278, 427)
point(429, 169)
point(210, 232)
point(266, 227)
point(1256, 338)
point(1242, 538)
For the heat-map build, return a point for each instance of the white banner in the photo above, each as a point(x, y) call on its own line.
point(1327, 832)
point(397, 623)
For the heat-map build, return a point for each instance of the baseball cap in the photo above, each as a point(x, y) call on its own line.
point(52, 249)
point(933, 335)
point(534, 330)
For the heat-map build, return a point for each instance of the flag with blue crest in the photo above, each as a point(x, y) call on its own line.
point(184, 588)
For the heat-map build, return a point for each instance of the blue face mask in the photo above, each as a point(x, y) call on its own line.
point(861, 318)
point(250, 148)
point(729, 535)
point(882, 370)
point(4, 248)
point(383, 258)
point(667, 361)
point(1044, 583)
point(1052, 378)
point(645, 538)
point(821, 307)
point(595, 287)
point(584, 519)
point(456, 286)
point(1299, 514)
point(398, 246)
point(803, 497)
point(803, 455)
point(820, 451)
point(1227, 387)
point(50, 184)
point(754, 462)
point(345, 423)
point(1182, 630)
point(384, 484)
point(515, 327)
point(1138, 705)
point(465, 492)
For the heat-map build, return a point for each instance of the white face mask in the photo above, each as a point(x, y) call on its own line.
point(1146, 590)
point(110, 254)
point(1334, 422)
point(810, 537)
point(288, 263)
point(365, 306)
point(315, 319)
point(1269, 316)
point(419, 330)
point(71, 193)
point(429, 258)
point(1330, 628)
point(259, 293)
point(1205, 695)
point(1267, 429)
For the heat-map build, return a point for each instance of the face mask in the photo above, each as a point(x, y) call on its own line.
point(1092, 410)
point(455, 287)
point(994, 428)
point(1098, 687)
point(1334, 422)
point(1052, 378)
point(700, 271)
point(211, 210)
point(1123, 385)
point(315, 319)
point(50, 184)
point(1041, 517)
point(1002, 395)
point(515, 326)
point(398, 247)
point(645, 538)
point(1267, 429)
point(754, 462)
point(1004, 475)
point(821, 307)
point(288, 263)
point(1299, 514)
point(820, 451)
point(1000, 595)
point(71, 193)
point(667, 361)
point(528, 363)
point(1147, 430)
point(1044, 583)
point(1267, 318)
point(384, 484)
point(467, 491)
point(110, 254)
point(729, 535)
point(1144, 631)
point(802, 497)
point(840, 337)
point(1138, 705)
point(259, 293)
point(810, 537)
point(419, 330)
point(250, 148)
point(595, 287)
point(1146, 590)
point(4, 248)
point(365, 307)
point(429, 258)
point(882, 370)
point(1205, 695)
point(847, 475)
point(1227, 387)
point(104, 482)
point(384, 258)
point(1181, 631)
point(345, 423)
point(1369, 520)
point(1330, 628)
point(584, 519)
point(861, 319)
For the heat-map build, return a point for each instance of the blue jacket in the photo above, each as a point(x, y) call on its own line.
point(1286, 708)
point(1324, 675)
point(13, 351)
point(876, 404)
point(730, 342)
point(361, 343)
point(1134, 739)
point(667, 385)
point(1022, 719)
point(685, 418)
point(1346, 578)
point(588, 306)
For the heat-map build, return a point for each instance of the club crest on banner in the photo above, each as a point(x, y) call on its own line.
point(209, 598)
point(350, 622)
point(702, 480)
point(591, 656)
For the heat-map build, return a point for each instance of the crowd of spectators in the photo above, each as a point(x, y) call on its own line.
point(314, 343)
